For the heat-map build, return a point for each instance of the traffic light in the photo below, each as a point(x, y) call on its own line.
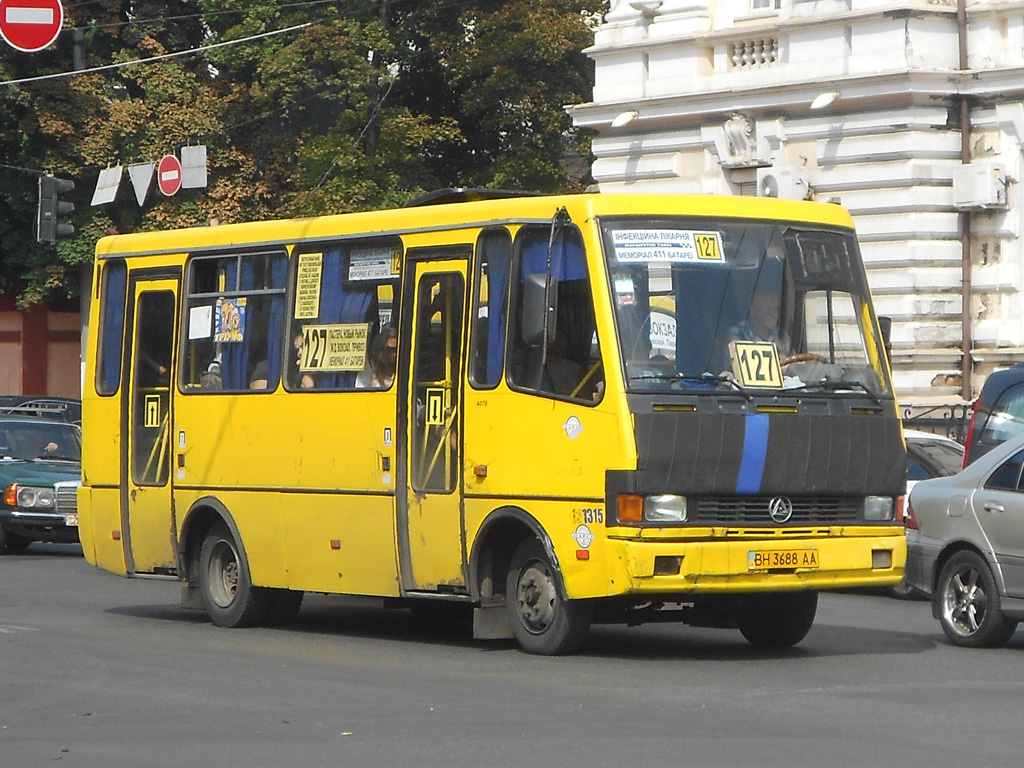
point(51, 209)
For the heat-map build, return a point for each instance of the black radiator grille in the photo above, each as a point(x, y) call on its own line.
point(753, 510)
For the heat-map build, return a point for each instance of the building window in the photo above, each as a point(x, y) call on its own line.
point(765, 5)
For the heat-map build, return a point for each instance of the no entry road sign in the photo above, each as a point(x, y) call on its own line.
point(168, 175)
point(30, 25)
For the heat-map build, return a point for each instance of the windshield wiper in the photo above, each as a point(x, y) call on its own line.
point(704, 378)
point(51, 456)
point(729, 379)
point(834, 386)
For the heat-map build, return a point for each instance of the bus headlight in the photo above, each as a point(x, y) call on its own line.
point(28, 497)
point(666, 508)
point(878, 508)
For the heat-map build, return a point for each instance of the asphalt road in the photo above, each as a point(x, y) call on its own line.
point(96, 670)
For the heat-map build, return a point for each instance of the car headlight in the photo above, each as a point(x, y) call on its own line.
point(665, 508)
point(878, 508)
point(29, 497)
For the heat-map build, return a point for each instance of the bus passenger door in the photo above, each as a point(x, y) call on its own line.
point(431, 537)
point(147, 517)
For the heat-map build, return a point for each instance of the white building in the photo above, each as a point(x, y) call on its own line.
point(864, 102)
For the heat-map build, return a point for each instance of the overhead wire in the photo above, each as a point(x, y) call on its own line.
point(161, 57)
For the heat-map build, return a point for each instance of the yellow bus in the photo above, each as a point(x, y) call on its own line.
point(553, 411)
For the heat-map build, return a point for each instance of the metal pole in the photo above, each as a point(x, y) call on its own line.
point(966, 318)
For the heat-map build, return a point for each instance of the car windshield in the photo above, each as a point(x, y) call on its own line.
point(707, 303)
point(29, 440)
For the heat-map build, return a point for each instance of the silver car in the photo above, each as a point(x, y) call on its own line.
point(965, 547)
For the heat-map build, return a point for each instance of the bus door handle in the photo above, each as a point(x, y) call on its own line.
point(991, 506)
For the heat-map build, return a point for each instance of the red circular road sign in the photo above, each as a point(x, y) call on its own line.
point(168, 175)
point(30, 25)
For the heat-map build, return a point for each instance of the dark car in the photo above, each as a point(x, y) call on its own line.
point(60, 408)
point(965, 547)
point(998, 413)
point(930, 455)
point(40, 471)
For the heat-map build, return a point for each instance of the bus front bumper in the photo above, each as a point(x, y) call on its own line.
point(843, 558)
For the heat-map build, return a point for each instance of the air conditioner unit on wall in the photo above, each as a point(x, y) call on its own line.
point(979, 185)
point(785, 182)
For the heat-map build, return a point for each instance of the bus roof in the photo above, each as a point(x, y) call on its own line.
point(444, 216)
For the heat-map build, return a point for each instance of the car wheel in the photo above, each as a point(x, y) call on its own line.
point(778, 620)
point(543, 622)
point(969, 604)
point(228, 593)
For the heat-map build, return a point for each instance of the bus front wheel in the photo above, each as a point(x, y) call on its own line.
point(230, 598)
point(543, 622)
point(778, 620)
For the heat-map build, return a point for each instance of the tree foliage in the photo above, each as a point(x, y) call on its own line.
point(363, 104)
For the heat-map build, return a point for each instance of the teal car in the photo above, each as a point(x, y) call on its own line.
point(40, 471)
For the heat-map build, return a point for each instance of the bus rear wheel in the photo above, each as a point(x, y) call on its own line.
point(543, 622)
point(778, 620)
point(230, 598)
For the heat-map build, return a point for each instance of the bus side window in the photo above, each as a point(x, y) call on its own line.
point(234, 322)
point(111, 332)
point(568, 365)
point(493, 258)
point(346, 291)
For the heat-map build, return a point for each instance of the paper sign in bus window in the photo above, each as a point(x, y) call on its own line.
point(200, 322)
point(334, 347)
point(372, 264)
point(671, 245)
point(229, 320)
point(756, 364)
point(307, 286)
point(152, 418)
point(625, 291)
point(435, 406)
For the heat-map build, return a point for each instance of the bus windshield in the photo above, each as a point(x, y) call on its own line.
point(705, 304)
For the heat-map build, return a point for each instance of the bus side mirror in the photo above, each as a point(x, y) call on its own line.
point(885, 323)
point(534, 309)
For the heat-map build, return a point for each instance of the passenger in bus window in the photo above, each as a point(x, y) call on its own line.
point(379, 372)
point(297, 377)
point(258, 380)
point(211, 377)
point(153, 368)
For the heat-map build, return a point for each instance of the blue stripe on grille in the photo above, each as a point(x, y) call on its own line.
point(755, 451)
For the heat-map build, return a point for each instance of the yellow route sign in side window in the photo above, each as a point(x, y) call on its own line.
point(756, 364)
point(334, 347)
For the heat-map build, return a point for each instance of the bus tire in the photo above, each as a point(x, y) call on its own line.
point(228, 593)
point(543, 622)
point(777, 620)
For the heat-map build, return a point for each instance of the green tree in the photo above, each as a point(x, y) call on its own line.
point(363, 104)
